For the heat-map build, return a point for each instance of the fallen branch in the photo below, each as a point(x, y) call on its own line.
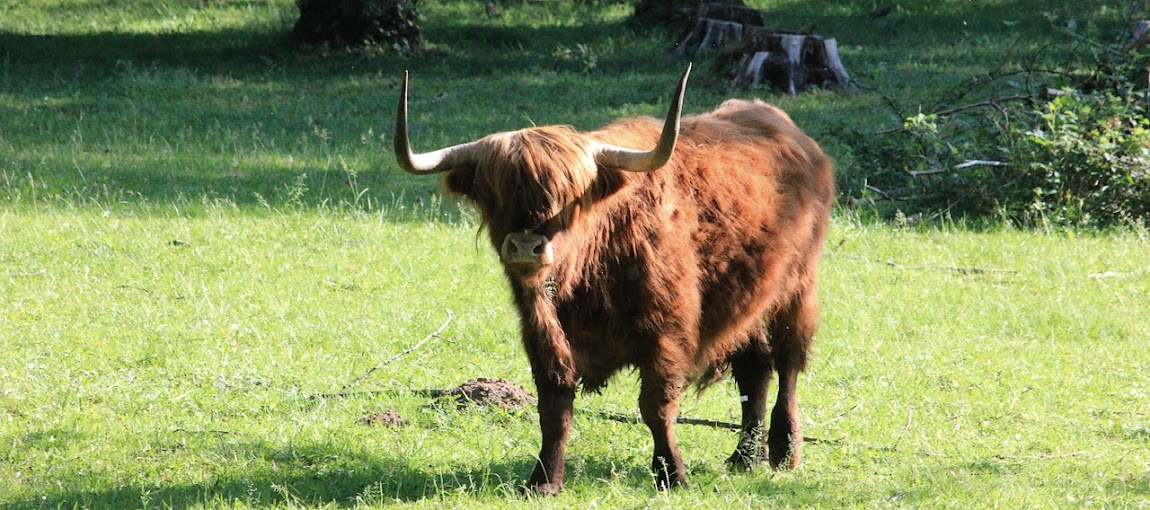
point(442, 96)
point(978, 162)
point(956, 269)
point(932, 171)
point(905, 428)
point(842, 415)
point(880, 192)
point(628, 418)
point(684, 420)
point(1039, 457)
point(965, 164)
point(204, 431)
point(607, 415)
point(967, 270)
point(982, 104)
point(432, 393)
point(1114, 274)
point(133, 287)
point(343, 392)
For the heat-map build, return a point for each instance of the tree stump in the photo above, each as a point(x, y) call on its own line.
point(706, 36)
point(752, 54)
point(347, 24)
point(788, 61)
point(714, 26)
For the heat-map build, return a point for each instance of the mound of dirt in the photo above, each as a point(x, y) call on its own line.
point(388, 418)
point(491, 392)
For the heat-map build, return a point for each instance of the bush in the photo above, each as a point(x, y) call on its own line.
point(1085, 158)
point(1078, 155)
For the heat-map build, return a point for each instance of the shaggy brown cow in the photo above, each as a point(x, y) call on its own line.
point(684, 261)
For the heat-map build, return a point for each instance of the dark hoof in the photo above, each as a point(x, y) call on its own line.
point(666, 479)
point(662, 483)
point(743, 460)
point(541, 489)
point(785, 452)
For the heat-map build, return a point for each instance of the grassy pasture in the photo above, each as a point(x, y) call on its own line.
point(200, 230)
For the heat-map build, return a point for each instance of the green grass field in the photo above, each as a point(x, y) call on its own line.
point(201, 231)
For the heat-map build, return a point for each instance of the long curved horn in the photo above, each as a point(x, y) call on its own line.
point(646, 161)
point(426, 163)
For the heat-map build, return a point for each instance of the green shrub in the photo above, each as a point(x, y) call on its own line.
point(1085, 159)
point(1078, 155)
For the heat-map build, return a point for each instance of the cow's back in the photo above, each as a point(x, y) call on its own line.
point(765, 190)
point(744, 200)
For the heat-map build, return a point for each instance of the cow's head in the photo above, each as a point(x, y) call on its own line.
point(530, 184)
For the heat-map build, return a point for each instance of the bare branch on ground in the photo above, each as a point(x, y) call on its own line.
point(684, 420)
point(344, 390)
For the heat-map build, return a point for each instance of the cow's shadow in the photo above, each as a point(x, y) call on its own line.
point(326, 476)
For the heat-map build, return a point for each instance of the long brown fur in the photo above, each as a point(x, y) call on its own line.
point(708, 262)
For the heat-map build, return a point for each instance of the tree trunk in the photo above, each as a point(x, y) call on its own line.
point(346, 24)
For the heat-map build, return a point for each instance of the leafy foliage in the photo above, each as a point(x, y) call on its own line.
point(1086, 159)
point(1075, 155)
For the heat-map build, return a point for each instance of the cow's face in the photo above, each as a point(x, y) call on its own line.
point(531, 187)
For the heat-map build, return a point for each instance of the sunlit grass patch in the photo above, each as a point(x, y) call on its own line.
point(203, 236)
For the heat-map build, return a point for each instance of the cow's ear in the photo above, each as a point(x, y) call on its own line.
point(461, 182)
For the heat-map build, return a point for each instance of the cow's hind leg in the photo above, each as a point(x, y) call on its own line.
point(751, 369)
point(790, 332)
point(658, 403)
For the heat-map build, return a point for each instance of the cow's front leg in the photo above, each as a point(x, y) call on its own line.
point(554, 371)
point(658, 403)
point(555, 409)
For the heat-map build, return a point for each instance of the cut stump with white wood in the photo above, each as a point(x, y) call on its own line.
point(753, 55)
point(787, 61)
point(714, 26)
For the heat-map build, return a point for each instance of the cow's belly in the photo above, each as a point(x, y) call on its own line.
point(601, 347)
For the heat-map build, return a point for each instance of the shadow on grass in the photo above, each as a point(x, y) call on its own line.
point(126, 89)
point(181, 118)
point(159, 188)
point(456, 48)
point(319, 476)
